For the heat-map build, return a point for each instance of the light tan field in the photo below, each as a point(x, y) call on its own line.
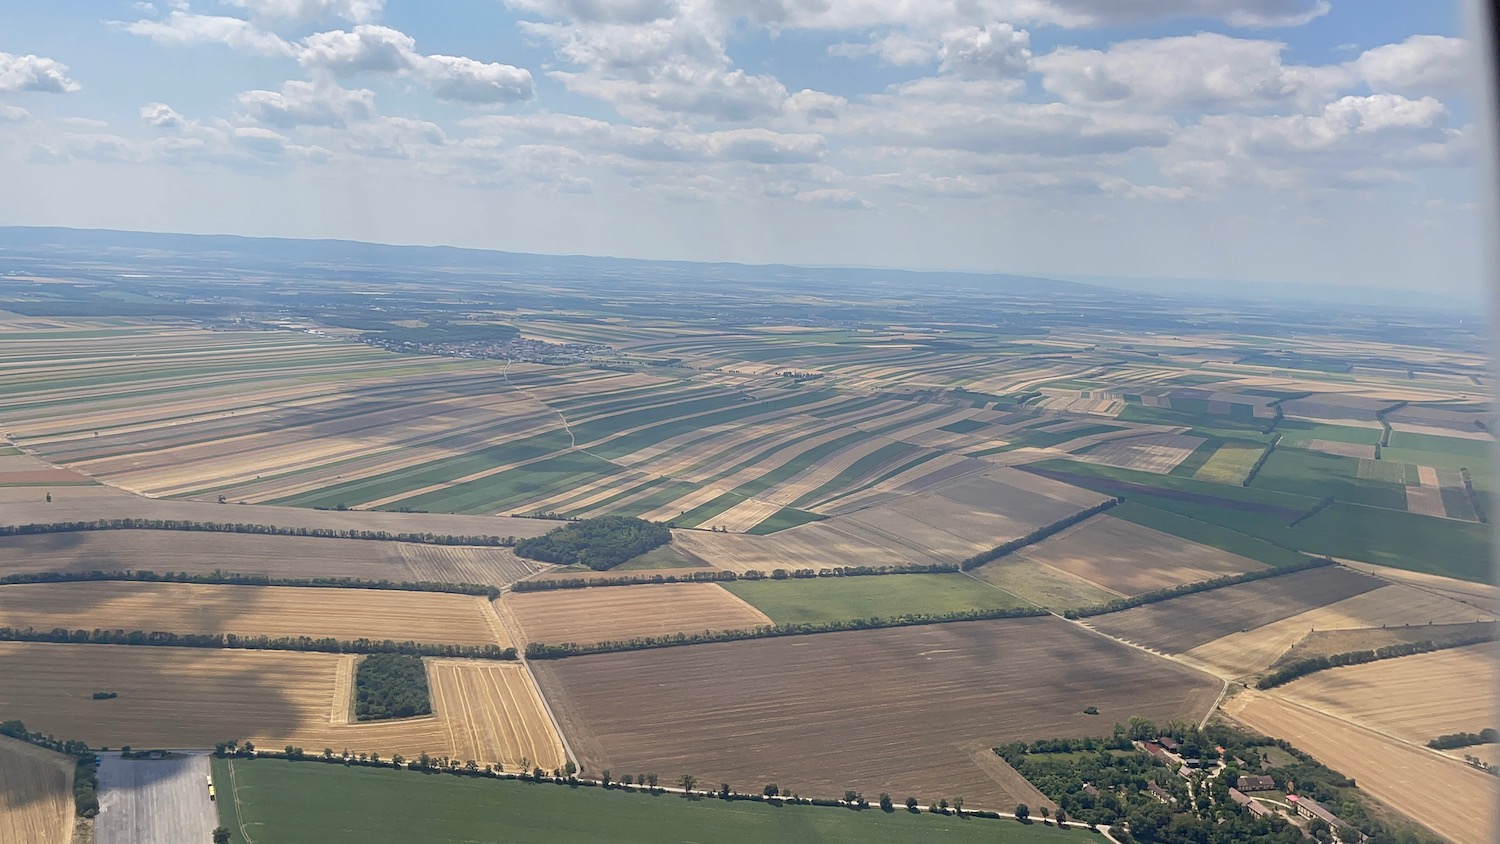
point(1415, 698)
point(489, 708)
point(1126, 558)
point(1444, 794)
point(274, 611)
point(36, 794)
point(1248, 652)
point(627, 612)
point(1427, 498)
point(1158, 453)
point(277, 556)
point(1042, 584)
point(195, 698)
point(1479, 595)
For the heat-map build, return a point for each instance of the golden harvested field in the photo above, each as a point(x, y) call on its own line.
point(185, 697)
point(1330, 642)
point(1250, 651)
point(1415, 698)
point(626, 612)
point(1480, 595)
point(1444, 794)
point(36, 794)
point(244, 553)
point(490, 706)
point(907, 710)
point(1127, 558)
point(1181, 624)
point(274, 611)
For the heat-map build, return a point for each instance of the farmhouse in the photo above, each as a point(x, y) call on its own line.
point(1168, 742)
point(1243, 799)
point(1313, 809)
point(1161, 793)
point(1249, 782)
point(1159, 752)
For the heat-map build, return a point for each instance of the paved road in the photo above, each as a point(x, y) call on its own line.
point(154, 802)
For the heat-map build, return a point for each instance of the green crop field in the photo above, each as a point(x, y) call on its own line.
point(1327, 476)
point(1299, 429)
point(1457, 446)
point(786, 517)
point(964, 426)
point(1230, 464)
point(1189, 467)
point(1400, 540)
point(810, 600)
point(1387, 471)
point(318, 803)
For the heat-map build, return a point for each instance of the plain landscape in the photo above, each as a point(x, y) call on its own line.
point(796, 538)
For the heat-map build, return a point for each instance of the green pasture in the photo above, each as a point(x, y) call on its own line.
point(319, 803)
point(824, 599)
point(1322, 475)
point(786, 517)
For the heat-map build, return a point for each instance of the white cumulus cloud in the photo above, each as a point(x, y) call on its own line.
point(35, 73)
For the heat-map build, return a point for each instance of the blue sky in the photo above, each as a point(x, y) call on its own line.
point(1280, 140)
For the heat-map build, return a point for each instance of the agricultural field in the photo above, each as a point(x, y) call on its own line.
point(178, 697)
point(274, 611)
point(36, 794)
point(825, 599)
point(274, 556)
point(1413, 698)
point(294, 803)
point(1409, 778)
point(1230, 463)
point(626, 612)
point(821, 714)
point(1397, 608)
point(1159, 453)
point(1126, 558)
point(1181, 624)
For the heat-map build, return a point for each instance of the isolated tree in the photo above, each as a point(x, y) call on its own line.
point(604, 778)
point(327, 753)
point(885, 802)
point(651, 780)
point(221, 835)
point(537, 774)
point(628, 779)
point(771, 790)
point(686, 782)
point(570, 769)
point(958, 805)
point(1062, 816)
point(397, 760)
point(911, 804)
point(1045, 812)
point(1023, 812)
point(725, 791)
point(943, 805)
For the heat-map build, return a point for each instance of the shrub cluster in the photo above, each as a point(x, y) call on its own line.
point(253, 643)
point(541, 650)
point(1488, 735)
point(391, 686)
point(234, 579)
point(718, 576)
point(265, 530)
point(600, 544)
point(1201, 586)
point(1036, 536)
point(1303, 667)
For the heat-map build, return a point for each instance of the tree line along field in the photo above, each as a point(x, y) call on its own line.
point(36, 794)
point(911, 710)
point(299, 802)
point(274, 556)
point(176, 697)
point(272, 611)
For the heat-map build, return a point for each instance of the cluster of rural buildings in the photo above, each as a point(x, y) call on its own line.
point(1167, 749)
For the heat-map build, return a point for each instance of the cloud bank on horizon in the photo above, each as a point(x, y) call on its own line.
point(1302, 140)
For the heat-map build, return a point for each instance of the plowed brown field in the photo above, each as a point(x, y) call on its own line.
point(902, 710)
point(274, 611)
point(276, 556)
point(627, 612)
point(181, 697)
point(36, 794)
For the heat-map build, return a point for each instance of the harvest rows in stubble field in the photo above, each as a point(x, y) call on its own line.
point(177, 697)
point(906, 710)
point(272, 611)
point(627, 612)
point(36, 794)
